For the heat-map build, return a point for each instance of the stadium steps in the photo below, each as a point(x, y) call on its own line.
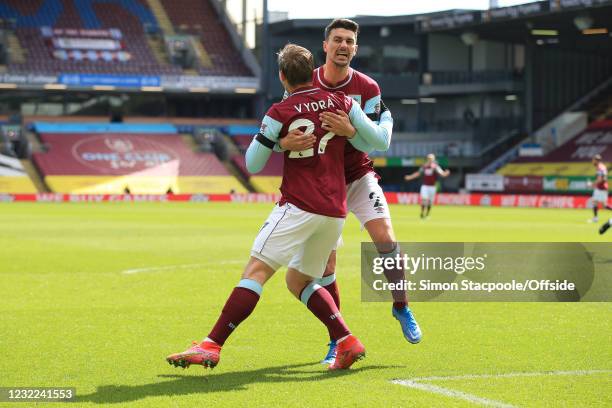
point(189, 141)
point(159, 50)
point(193, 145)
point(35, 176)
point(162, 18)
point(35, 144)
point(238, 175)
point(599, 105)
point(603, 110)
point(201, 52)
point(233, 150)
point(18, 55)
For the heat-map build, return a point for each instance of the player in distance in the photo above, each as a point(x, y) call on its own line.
point(600, 192)
point(430, 171)
point(305, 225)
point(365, 197)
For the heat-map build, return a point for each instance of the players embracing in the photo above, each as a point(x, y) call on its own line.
point(365, 197)
point(306, 223)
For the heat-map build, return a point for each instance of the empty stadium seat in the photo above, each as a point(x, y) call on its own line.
point(199, 18)
point(573, 158)
point(13, 177)
point(113, 163)
point(269, 179)
point(131, 17)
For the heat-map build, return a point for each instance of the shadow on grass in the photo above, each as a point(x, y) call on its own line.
point(233, 381)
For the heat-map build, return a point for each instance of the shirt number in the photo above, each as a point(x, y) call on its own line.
point(302, 154)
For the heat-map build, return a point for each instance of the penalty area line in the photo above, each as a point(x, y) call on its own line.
point(417, 383)
point(173, 267)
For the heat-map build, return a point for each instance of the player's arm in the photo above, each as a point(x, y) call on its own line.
point(412, 176)
point(261, 146)
point(295, 141)
point(278, 146)
point(378, 136)
point(442, 173)
point(378, 112)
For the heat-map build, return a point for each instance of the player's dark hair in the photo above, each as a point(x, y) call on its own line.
point(342, 23)
point(296, 63)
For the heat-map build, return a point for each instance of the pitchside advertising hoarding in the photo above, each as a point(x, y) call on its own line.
point(488, 271)
point(492, 200)
point(529, 184)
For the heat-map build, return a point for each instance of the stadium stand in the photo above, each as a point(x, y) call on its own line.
point(113, 159)
point(13, 177)
point(199, 18)
point(473, 100)
point(600, 106)
point(115, 32)
point(242, 142)
point(572, 158)
point(269, 179)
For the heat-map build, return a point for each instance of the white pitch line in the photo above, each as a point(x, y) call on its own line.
point(517, 374)
point(172, 267)
point(416, 383)
point(453, 394)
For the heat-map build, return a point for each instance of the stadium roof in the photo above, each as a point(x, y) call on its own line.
point(554, 22)
point(317, 23)
point(544, 22)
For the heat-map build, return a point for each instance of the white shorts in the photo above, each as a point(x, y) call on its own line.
point(600, 196)
point(298, 239)
point(366, 199)
point(428, 193)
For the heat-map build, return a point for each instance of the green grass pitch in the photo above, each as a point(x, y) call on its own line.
point(70, 316)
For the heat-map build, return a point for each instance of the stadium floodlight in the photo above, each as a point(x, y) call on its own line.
point(544, 32)
point(469, 38)
point(103, 88)
point(583, 22)
point(245, 90)
point(595, 31)
point(151, 88)
point(54, 87)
